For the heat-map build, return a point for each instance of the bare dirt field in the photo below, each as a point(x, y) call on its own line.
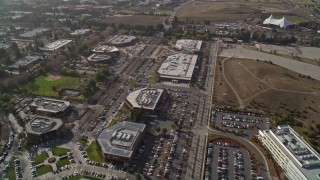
point(269, 88)
point(135, 20)
point(52, 77)
point(228, 11)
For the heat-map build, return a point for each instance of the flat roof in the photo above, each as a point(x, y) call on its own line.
point(80, 32)
point(121, 39)
point(178, 66)
point(121, 139)
point(146, 98)
point(4, 46)
point(297, 150)
point(40, 125)
point(50, 105)
point(24, 61)
point(98, 57)
point(33, 33)
point(105, 49)
point(189, 45)
point(55, 45)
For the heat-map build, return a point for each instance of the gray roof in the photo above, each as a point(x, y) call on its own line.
point(40, 125)
point(121, 139)
point(24, 61)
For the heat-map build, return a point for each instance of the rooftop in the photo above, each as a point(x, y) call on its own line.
point(98, 57)
point(121, 39)
point(146, 98)
point(121, 139)
point(24, 62)
point(178, 66)
point(33, 33)
point(40, 125)
point(80, 32)
point(297, 150)
point(105, 49)
point(50, 105)
point(189, 45)
point(55, 45)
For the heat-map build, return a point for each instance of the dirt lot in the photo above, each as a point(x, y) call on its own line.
point(269, 88)
point(227, 11)
point(236, 10)
point(135, 20)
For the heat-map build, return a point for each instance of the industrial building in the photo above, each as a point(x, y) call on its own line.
point(189, 45)
point(49, 107)
point(41, 129)
point(120, 142)
point(146, 98)
point(178, 68)
point(296, 157)
point(33, 33)
point(25, 63)
point(121, 40)
point(55, 45)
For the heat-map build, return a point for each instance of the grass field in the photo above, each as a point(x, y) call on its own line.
point(268, 88)
point(84, 177)
point(43, 169)
point(62, 162)
point(59, 151)
point(43, 87)
point(11, 174)
point(93, 153)
point(40, 158)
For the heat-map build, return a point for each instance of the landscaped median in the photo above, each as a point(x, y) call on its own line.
point(94, 154)
point(78, 177)
point(43, 169)
point(62, 162)
point(59, 151)
point(11, 175)
point(40, 158)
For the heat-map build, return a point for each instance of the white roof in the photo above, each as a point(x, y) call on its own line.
point(178, 66)
point(147, 98)
point(189, 45)
point(283, 22)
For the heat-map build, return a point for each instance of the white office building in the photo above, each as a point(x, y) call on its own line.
point(297, 158)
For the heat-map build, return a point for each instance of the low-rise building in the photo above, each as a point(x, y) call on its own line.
point(80, 32)
point(178, 67)
point(146, 98)
point(25, 63)
point(120, 142)
point(49, 107)
point(189, 45)
point(33, 33)
point(121, 40)
point(41, 129)
point(297, 158)
point(55, 45)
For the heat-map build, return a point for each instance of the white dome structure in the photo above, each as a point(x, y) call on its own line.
point(283, 22)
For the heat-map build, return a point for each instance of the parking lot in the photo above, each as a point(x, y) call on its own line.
point(246, 123)
point(229, 161)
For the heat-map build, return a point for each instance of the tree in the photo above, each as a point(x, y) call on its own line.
point(164, 130)
point(158, 129)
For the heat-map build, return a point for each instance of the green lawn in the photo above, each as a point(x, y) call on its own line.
point(84, 177)
point(40, 86)
point(38, 159)
point(59, 151)
point(11, 174)
point(112, 122)
point(43, 169)
point(83, 142)
point(62, 162)
point(94, 154)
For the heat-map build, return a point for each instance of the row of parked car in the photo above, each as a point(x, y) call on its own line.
point(238, 165)
point(18, 170)
point(8, 144)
